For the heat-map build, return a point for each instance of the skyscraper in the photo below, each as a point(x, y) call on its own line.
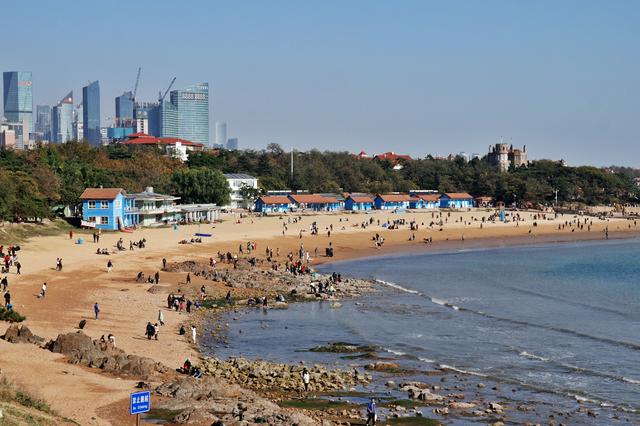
point(124, 110)
point(78, 123)
point(43, 123)
point(232, 144)
point(91, 113)
point(62, 120)
point(192, 104)
point(18, 101)
point(221, 134)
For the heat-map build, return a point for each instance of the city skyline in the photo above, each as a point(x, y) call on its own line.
point(421, 78)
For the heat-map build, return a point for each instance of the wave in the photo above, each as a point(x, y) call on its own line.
point(533, 356)
point(460, 370)
point(393, 351)
point(398, 287)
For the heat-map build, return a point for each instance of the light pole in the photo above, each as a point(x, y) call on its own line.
point(556, 192)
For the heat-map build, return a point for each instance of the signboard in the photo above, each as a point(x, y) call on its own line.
point(140, 402)
point(87, 224)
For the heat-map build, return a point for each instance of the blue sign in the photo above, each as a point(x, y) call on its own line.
point(140, 402)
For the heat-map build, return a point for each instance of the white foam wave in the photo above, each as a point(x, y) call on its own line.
point(445, 304)
point(459, 370)
point(397, 287)
point(533, 356)
point(427, 360)
point(392, 351)
point(632, 381)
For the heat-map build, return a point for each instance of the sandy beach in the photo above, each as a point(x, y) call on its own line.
point(90, 397)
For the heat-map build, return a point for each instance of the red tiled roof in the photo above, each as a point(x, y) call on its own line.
point(458, 195)
point(394, 198)
point(361, 198)
point(392, 157)
point(428, 197)
point(144, 139)
point(312, 199)
point(101, 193)
point(275, 199)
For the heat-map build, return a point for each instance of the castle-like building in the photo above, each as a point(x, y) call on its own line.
point(502, 155)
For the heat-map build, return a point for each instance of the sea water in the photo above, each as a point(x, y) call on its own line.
point(556, 319)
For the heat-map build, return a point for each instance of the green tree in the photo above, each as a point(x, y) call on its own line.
point(201, 185)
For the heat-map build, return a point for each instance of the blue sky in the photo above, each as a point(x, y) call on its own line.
point(417, 77)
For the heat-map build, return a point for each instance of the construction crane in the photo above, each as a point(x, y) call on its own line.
point(161, 96)
point(135, 88)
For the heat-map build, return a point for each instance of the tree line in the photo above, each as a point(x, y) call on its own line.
point(37, 183)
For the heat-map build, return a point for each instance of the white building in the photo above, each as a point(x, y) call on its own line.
point(236, 182)
point(221, 134)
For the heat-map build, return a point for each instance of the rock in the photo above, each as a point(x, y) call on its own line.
point(21, 334)
point(382, 366)
point(495, 407)
point(481, 385)
point(390, 384)
point(441, 411)
point(463, 406)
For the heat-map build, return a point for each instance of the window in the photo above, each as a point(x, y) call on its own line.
point(104, 220)
point(91, 219)
point(104, 204)
point(92, 204)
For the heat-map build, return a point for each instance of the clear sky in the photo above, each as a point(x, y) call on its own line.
point(416, 77)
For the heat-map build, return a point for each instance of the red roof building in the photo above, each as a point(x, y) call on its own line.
point(144, 139)
point(392, 157)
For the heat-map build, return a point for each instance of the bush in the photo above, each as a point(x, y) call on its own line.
point(11, 315)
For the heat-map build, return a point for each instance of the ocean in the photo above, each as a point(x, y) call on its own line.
point(559, 322)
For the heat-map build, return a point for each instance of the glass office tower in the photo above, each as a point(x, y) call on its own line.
point(192, 104)
point(91, 113)
point(43, 123)
point(124, 110)
point(18, 99)
point(62, 120)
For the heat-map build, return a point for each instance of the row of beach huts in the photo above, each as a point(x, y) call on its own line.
point(365, 202)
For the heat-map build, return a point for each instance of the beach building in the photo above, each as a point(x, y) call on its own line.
point(113, 209)
point(175, 147)
point(392, 201)
point(315, 202)
point(236, 182)
point(456, 200)
point(273, 204)
point(424, 201)
point(484, 202)
point(355, 202)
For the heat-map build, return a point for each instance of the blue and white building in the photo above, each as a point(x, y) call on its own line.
point(456, 200)
point(273, 204)
point(392, 201)
point(358, 203)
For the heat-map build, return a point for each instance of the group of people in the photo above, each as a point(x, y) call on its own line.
point(189, 369)
point(10, 259)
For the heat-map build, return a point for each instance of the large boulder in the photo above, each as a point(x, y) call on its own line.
point(21, 334)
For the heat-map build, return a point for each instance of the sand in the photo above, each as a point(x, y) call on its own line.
point(92, 398)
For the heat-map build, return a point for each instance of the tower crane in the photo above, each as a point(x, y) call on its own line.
point(135, 88)
point(161, 96)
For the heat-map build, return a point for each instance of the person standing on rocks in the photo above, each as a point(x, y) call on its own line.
point(371, 413)
point(306, 378)
point(193, 334)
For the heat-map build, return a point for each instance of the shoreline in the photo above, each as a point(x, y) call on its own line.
point(127, 306)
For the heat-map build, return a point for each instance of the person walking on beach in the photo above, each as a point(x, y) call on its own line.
point(43, 292)
point(157, 277)
point(18, 267)
point(156, 331)
point(164, 263)
point(109, 265)
point(160, 317)
point(371, 413)
point(96, 310)
point(71, 234)
point(306, 377)
point(7, 299)
point(150, 330)
point(193, 334)
point(188, 278)
point(4, 283)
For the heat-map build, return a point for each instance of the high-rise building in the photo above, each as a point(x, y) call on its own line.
point(141, 112)
point(62, 120)
point(78, 123)
point(43, 123)
point(91, 113)
point(124, 110)
point(232, 144)
point(18, 101)
point(221, 134)
point(192, 105)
